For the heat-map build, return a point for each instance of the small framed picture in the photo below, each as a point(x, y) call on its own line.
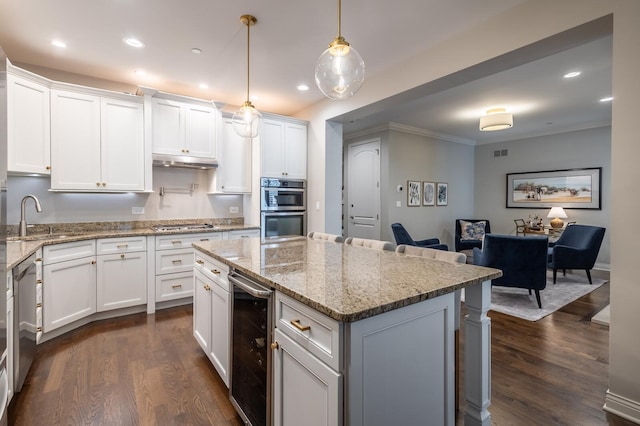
point(428, 193)
point(442, 194)
point(414, 193)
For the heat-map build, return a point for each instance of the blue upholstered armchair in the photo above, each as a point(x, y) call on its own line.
point(523, 261)
point(402, 237)
point(577, 248)
point(469, 233)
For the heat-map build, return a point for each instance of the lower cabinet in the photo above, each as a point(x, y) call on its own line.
point(69, 291)
point(211, 312)
point(122, 273)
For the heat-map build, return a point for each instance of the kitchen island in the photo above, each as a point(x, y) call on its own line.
point(393, 358)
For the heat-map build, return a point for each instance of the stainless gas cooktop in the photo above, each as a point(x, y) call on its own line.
point(182, 227)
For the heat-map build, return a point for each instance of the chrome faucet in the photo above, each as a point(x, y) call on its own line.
point(23, 223)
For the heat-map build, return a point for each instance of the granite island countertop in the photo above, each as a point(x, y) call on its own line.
point(19, 249)
point(344, 282)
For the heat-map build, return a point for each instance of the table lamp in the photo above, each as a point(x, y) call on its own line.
point(557, 213)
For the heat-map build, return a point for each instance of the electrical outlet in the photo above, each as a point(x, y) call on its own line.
point(137, 210)
point(233, 209)
point(398, 203)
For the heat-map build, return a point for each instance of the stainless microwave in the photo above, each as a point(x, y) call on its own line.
point(282, 194)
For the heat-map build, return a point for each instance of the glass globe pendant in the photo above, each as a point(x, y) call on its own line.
point(340, 69)
point(247, 121)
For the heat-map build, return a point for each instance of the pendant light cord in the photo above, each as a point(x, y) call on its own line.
point(248, 63)
point(339, 18)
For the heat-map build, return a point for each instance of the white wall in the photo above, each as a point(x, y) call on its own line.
point(177, 203)
point(519, 27)
point(412, 156)
point(579, 149)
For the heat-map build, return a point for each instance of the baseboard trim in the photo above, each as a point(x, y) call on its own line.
point(622, 407)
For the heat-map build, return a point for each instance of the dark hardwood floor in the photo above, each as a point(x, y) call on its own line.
point(148, 370)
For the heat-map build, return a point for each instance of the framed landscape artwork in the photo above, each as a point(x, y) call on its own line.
point(428, 193)
point(569, 189)
point(442, 194)
point(414, 193)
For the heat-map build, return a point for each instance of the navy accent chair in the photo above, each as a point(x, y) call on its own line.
point(469, 244)
point(402, 237)
point(523, 261)
point(577, 248)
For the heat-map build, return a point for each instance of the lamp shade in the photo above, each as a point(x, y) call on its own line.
point(496, 119)
point(247, 121)
point(339, 70)
point(557, 213)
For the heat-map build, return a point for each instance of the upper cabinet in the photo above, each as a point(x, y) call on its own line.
point(283, 149)
point(184, 128)
point(28, 125)
point(97, 142)
point(233, 174)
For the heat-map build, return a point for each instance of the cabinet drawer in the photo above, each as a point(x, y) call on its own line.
point(174, 286)
point(314, 331)
point(248, 233)
point(121, 245)
point(170, 261)
point(213, 269)
point(67, 251)
point(165, 242)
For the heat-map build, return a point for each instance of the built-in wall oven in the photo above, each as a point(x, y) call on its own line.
point(283, 204)
point(251, 337)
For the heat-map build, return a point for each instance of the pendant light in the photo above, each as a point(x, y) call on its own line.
point(247, 121)
point(340, 69)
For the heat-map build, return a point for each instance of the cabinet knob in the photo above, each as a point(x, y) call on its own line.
point(93, 262)
point(104, 183)
point(176, 261)
point(215, 271)
point(97, 183)
point(206, 287)
point(176, 286)
point(38, 281)
point(48, 167)
point(122, 256)
point(275, 345)
point(200, 262)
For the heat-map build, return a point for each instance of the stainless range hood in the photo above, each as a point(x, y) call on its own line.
point(165, 160)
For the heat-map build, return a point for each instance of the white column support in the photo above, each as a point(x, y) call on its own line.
point(477, 355)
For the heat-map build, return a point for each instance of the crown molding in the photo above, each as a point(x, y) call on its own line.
point(410, 130)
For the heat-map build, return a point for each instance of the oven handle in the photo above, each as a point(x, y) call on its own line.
point(249, 286)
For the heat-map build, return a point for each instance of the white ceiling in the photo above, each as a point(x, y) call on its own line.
point(286, 42)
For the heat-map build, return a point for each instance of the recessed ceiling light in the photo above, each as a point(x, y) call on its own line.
point(204, 86)
point(196, 51)
point(133, 42)
point(58, 43)
point(572, 74)
point(140, 72)
point(607, 99)
point(303, 87)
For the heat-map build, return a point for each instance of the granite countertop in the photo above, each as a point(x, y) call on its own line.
point(19, 249)
point(344, 282)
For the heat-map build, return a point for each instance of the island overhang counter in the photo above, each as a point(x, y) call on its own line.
point(394, 315)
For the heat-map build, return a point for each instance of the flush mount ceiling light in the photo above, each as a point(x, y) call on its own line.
point(340, 69)
point(496, 119)
point(247, 120)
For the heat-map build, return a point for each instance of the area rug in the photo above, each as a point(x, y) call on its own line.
point(518, 303)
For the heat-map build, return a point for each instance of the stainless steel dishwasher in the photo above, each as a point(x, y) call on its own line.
point(24, 293)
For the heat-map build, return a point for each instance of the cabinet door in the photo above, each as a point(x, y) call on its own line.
point(306, 391)
point(29, 128)
point(295, 151)
point(202, 310)
point(234, 171)
point(122, 145)
point(219, 346)
point(122, 280)
point(75, 141)
point(200, 131)
point(168, 127)
point(271, 149)
point(69, 292)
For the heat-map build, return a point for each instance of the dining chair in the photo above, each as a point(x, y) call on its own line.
point(372, 244)
point(314, 235)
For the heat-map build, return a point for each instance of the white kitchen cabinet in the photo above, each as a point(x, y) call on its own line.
point(10, 337)
point(96, 143)
point(121, 276)
point(243, 233)
point(211, 312)
point(182, 128)
point(69, 286)
point(29, 128)
point(283, 149)
point(174, 264)
point(233, 174)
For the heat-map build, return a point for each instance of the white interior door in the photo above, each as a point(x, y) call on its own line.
point(363, 190)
